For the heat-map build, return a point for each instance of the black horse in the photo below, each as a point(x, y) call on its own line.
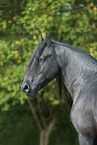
point(78, 71)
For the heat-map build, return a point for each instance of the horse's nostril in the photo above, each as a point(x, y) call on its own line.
point(26, 88)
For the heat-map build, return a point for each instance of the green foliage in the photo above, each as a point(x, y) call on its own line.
point(43, 16)
point(12, 64)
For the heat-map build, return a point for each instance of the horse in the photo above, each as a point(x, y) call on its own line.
point(78, 71)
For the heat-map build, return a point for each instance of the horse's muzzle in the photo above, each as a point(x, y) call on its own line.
point(29, 91)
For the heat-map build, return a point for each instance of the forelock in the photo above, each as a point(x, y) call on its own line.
point(40, 48)
point(38, 51)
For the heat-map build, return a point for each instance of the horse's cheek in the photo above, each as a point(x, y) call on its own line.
point(50, 70)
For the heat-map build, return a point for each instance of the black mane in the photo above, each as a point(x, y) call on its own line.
point(37, 53)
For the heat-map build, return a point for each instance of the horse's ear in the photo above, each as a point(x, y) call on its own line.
point(48, 39)
point(42, 39)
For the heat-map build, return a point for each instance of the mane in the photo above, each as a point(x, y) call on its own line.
point(29, 64)
point(62, 88)
point(36, 53)
point(90, 62)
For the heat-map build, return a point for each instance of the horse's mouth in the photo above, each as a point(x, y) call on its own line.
point(35, 93)
point(32, 93)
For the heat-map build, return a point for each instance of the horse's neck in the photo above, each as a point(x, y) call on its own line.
point(77, 67)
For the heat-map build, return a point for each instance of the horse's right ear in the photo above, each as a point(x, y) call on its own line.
point(48, 39)
point(42, 39)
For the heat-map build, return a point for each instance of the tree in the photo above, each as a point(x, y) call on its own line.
point(45, 119)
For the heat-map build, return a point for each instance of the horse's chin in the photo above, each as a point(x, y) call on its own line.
point(33, 93)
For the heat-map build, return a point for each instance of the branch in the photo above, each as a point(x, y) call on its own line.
point(41, 115)
point(50, 127)
point(34, 114)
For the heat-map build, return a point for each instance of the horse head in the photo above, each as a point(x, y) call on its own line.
point(42, 68)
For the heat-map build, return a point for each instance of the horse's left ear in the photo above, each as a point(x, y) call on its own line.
point(42, 39)
point(48, 39)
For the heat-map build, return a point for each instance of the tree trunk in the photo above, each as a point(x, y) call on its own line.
point(44, 131)
point(42, 136)
point(45, 134)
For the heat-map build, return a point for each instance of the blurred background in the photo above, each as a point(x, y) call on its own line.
point(42, 120)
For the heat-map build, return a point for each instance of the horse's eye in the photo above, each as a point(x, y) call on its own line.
point(41, 59)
